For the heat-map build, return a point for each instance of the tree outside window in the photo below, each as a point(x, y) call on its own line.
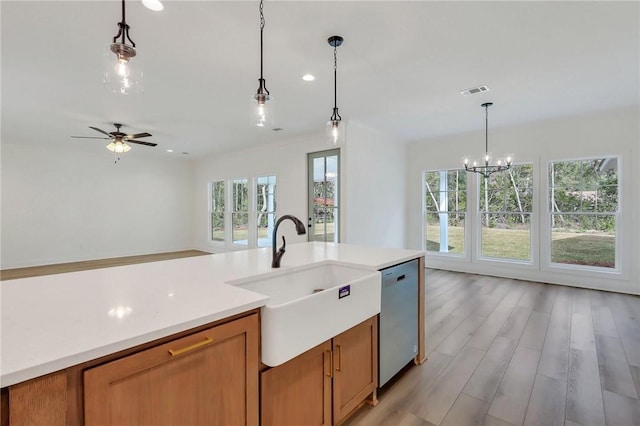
point(444, 210)
point(240, 211)
point(266, 209)
point(506, 205)
point(583, 207)
point(216, 210)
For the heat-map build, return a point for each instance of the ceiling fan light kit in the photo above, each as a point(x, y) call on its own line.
point(119, 140)
point(122, 74)
point(484, 166)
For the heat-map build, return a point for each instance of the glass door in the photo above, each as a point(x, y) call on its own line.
point(324, 217)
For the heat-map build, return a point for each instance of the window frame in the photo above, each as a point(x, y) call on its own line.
point(212, 182)
point(532, 218)
point(273, 212)
point(252, 212)
point(466, 252)
point(547, 239)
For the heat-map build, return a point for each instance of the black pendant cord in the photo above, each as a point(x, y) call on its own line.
point(486, 130)
point(262, 87)
point(335, 116)
point(123, 29)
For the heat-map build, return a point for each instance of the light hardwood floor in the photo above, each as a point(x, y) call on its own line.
point(508, 352)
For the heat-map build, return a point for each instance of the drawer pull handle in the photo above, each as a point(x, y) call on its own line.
point(401, 277)
point(206, 341)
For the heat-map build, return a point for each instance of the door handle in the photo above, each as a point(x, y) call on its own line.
point(330, 354)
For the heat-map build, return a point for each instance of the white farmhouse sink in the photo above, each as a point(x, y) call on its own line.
point(310, 305)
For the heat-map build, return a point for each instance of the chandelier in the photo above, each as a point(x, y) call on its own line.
point(484, 166)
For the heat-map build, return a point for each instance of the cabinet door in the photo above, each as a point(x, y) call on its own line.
point(298, 392)
point(207, 378)
point(355, 363)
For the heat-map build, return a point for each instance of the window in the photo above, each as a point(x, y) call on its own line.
point(266, 209)
point(506, 205)
point(445, 208)
point(583, 207)
point(323, 187)
point(240, 212)
point(216, 210)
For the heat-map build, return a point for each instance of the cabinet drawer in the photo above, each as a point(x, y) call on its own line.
point(210, 377)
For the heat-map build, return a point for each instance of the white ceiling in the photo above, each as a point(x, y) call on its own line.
point(400, 69)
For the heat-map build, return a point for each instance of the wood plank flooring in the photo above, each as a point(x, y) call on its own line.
point(59, 268)
point(510, 353)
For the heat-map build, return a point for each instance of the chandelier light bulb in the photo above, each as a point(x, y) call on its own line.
point(122, 67)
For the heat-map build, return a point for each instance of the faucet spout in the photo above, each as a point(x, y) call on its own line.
point(277, 254)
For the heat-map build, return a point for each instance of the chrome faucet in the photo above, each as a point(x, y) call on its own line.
point(277, 255)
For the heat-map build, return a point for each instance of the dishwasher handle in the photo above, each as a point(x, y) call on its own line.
point(391, 281)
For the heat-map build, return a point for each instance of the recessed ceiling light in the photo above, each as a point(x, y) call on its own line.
point(154, 5)
point(308, 77)
point(169, 150)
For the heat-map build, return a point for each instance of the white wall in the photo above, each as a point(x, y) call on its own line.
point(372, 166)
point(287, 161)
point(78, 205)
point(375, 181)
point(598, 134)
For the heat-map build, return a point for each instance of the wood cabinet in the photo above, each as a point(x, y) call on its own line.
point(323, 385)
point(355, 367)
point(203, 379)
point(206, 376)
point(298, 392)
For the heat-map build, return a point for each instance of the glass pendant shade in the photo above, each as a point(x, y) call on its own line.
point(262, 110)
point(335, 131)
point(118, 147)
point(122, 69)
point(335, 127)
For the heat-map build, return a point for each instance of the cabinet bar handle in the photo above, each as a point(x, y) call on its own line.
point(330, 373)
point(339, 366)
point(206, 341)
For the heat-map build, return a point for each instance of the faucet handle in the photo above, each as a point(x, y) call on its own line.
point(284, 244)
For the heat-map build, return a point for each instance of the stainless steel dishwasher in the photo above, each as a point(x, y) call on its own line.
point(398, 339)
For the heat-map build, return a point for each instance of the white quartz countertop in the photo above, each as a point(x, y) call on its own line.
point(53, 322)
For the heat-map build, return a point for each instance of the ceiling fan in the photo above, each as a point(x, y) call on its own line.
point(119, 140)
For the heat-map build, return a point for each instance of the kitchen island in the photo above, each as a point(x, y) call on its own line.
point(88, 318)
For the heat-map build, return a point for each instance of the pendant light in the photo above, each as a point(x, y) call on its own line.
point(122, 73)
point(484, 166)
point(261, 102)
point(335, 127)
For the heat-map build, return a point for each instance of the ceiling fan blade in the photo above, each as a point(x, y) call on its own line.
point(140, 142)
point(140, 135)
point(88, 137)
point(100, 130)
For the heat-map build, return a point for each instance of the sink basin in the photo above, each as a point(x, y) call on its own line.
point(310, 305)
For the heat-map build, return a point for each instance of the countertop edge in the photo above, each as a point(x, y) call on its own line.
point(19, 376)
